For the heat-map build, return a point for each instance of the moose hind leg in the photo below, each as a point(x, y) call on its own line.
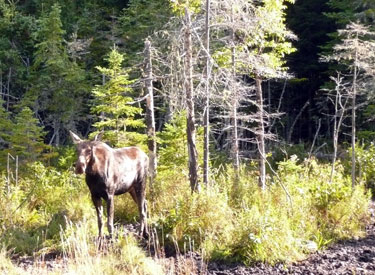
point(110, 212)
point(133, 195)
point(99, 212)
point(142, 207)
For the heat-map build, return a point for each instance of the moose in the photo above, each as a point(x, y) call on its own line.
point(110, 172)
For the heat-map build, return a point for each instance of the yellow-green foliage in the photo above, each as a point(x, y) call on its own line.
point(122, 256)
point(232, 220)
point(172, 144)
point(38, 206)
point(6, 265)
point(301, 209)
point(126, 209)
point(365, 157)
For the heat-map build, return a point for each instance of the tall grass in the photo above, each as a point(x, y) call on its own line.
point(254, 225)
point(6, 265)
point(51, 211)
point(84, 255)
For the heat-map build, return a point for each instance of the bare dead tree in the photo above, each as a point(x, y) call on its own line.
point(340, 103)
point(290, 132)
point(278, 106)
point(235, 103)
point(150, 115)
point(315, 137)
point(261, 133)
point(206, 114)
point(230, 20)
point(240, 19)
point(232, 79)
point(188, 83)
point(354, 97)
point(358, 53)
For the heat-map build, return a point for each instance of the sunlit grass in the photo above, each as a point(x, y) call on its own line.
point(238, 223)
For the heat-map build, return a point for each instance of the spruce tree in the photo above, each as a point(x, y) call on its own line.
point(346, 11)
point(6, 127)
point(140, 20)
point(118, 116)
point(58, 82)
point(27, 137)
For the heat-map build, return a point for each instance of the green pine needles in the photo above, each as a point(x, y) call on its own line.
point(118, 114)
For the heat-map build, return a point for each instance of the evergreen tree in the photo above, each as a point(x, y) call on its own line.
point(16, 48)
point(58, 83)
point(6, 127)
point(345, 11)
point(139, 20)
point(22, 137)
point(118, 117)
point(27, 137)
point(306, 19)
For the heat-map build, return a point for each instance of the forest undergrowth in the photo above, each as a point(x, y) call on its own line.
point(49, 211)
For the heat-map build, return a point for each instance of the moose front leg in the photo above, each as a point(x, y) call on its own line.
point(110, 211)
point(99, 212)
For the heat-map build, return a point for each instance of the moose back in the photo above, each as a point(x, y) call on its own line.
point(111, 172)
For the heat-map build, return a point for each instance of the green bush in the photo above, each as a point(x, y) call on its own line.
point(37, 208)
point(300, 211)
point(365, 157)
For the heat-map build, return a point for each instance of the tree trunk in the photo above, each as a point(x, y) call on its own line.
point(339, 116)
point(289, 137)
point(8, 88)
point(150, 116)
point(353, 119)
point(190, 129)
point(235, 147)
point(206, 118)
point(56, 133)
point(335, 136)
point(260, 134)
point(1, 84)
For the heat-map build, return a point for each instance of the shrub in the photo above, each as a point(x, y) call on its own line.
point(37, 208)
point(365, 156)
point(195, 221)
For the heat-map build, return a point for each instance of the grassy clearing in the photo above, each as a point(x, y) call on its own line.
point(50, 211)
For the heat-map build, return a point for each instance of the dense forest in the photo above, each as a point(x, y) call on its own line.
point(257, 116)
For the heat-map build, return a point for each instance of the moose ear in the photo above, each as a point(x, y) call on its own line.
point(99, 136)
point(75, 138)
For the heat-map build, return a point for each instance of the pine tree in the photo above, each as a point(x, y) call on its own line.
point(140, 20)
point(6, 128)
point(118, 116)
point(27, 137)
point(16, 47)
point(58, 83)
point(346, 11)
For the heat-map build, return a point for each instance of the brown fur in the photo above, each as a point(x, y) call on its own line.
point(111, 172)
